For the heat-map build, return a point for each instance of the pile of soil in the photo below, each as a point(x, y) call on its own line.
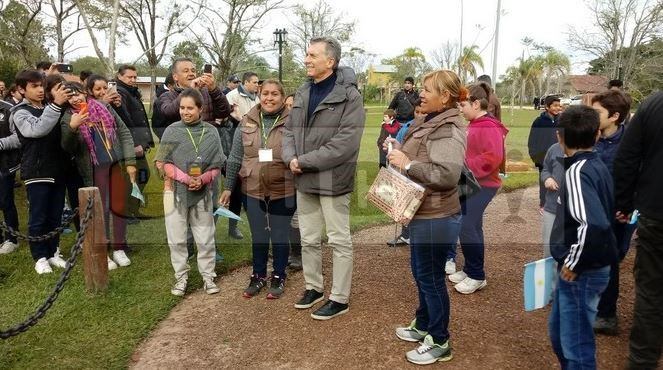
point(489, 329)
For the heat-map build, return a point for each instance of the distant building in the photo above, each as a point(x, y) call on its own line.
point(585, 85)
point(381, 76)
point(143, 84)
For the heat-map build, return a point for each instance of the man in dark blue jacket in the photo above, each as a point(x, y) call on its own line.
point(542, 137)
point(582, 241)
point(638, 177)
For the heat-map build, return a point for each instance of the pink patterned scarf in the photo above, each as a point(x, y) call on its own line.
point(99, 116)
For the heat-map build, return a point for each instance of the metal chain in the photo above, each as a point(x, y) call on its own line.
point(37, 239)
point(71, 262)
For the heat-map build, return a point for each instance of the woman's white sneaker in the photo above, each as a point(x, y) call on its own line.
point(457, 277)
point(8, 247)
point(469, 286)
point(121, 258)
point(42, 266)
point(411, 333)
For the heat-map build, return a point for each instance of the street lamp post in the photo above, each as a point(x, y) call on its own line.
point(279, 38)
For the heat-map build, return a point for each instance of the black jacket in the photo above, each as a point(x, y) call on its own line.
point(43, 159)
point(638, 166)
point(136, 117)
point(10, 154)
point(404, 103)
point(542, 136)
point(582, 236)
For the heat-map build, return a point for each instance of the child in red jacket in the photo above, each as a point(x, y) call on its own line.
point(389, 128)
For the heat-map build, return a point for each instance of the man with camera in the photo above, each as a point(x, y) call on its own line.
point(167, 106)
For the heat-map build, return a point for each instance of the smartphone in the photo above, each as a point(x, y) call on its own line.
point(207, 68)
point(112, 87)
point(65, 68)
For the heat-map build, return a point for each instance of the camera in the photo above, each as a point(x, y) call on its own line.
point(65, 68)
point(207, 68)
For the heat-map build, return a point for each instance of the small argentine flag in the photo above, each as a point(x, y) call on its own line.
point(538, 283)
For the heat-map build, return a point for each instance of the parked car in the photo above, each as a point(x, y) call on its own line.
point(576, 100)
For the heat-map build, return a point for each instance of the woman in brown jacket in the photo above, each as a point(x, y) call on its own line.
point(267, 186)
point(432, 154)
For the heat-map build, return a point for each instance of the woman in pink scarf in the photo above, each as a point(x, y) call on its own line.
point(102, 146)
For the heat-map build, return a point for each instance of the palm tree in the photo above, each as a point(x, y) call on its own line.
point(468, 61)
point(526, 73)
point(556, 65)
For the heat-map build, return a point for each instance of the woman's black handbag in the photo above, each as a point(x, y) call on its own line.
point(467, 184)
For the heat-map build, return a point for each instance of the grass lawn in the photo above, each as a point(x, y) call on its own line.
point(101, 331)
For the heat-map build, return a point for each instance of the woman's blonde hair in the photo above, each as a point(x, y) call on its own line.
point(446, 80)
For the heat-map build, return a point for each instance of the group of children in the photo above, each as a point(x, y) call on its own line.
point(580, 230)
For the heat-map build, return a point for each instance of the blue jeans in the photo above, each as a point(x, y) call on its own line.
point(7, 204)
point(471, 233)
point(44, 215)
point(574, 309)
point(269, 220)
point(430, 241)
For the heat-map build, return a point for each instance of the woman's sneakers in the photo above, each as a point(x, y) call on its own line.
point(276, 287)
point(411, 333)
point(255, 286)
point(8, 247)
point(430, 352)
point(210, 286)
point(120, 257)
point(450, 267)
point(457, 277)
point(111, 264)
point(180, 287)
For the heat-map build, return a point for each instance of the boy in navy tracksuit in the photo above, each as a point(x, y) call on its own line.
point(42, 163)
point(541, 138)
point(582, 241)
point(613, 107)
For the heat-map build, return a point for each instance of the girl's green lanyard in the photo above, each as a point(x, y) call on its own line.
point(195, 168)
point(265, 154)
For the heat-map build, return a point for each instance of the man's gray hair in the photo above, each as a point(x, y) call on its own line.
point(332, 48)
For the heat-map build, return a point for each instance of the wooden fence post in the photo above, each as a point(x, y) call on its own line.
point(95, 254)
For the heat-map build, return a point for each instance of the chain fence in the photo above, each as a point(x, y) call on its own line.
point(33, 319)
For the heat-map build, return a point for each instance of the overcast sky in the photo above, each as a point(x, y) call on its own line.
point(387, 27)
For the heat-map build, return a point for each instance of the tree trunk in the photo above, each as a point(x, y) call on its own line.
point(111, 41)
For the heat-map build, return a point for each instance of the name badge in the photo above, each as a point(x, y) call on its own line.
point(265, 155)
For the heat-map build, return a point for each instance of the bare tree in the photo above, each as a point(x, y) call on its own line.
point(319, 20)
point(446, 55)
point(94, 19)
point(358, 59)
point(144, 18)
point(619, 28)
point(231, 29)
point(66, 23)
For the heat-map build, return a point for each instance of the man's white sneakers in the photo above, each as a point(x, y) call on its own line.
point(8, 247)
point(42, 266)
point(121, 258)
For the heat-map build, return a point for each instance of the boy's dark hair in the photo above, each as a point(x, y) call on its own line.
point(247, 76)
point(390, 113)
point(480, 92)
point(89, 83)
point(193, 94)
point(579, 125)
point(45, 65)
point(84, 75)
point(614, 101)
point(615, 83)
point(49, 83)
point(124, 67)
point(26, 76)
point(10, 91)
point(550, 99)
point(409, 79)
point(486, 79)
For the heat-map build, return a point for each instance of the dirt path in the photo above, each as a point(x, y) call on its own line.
point(489, 329)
